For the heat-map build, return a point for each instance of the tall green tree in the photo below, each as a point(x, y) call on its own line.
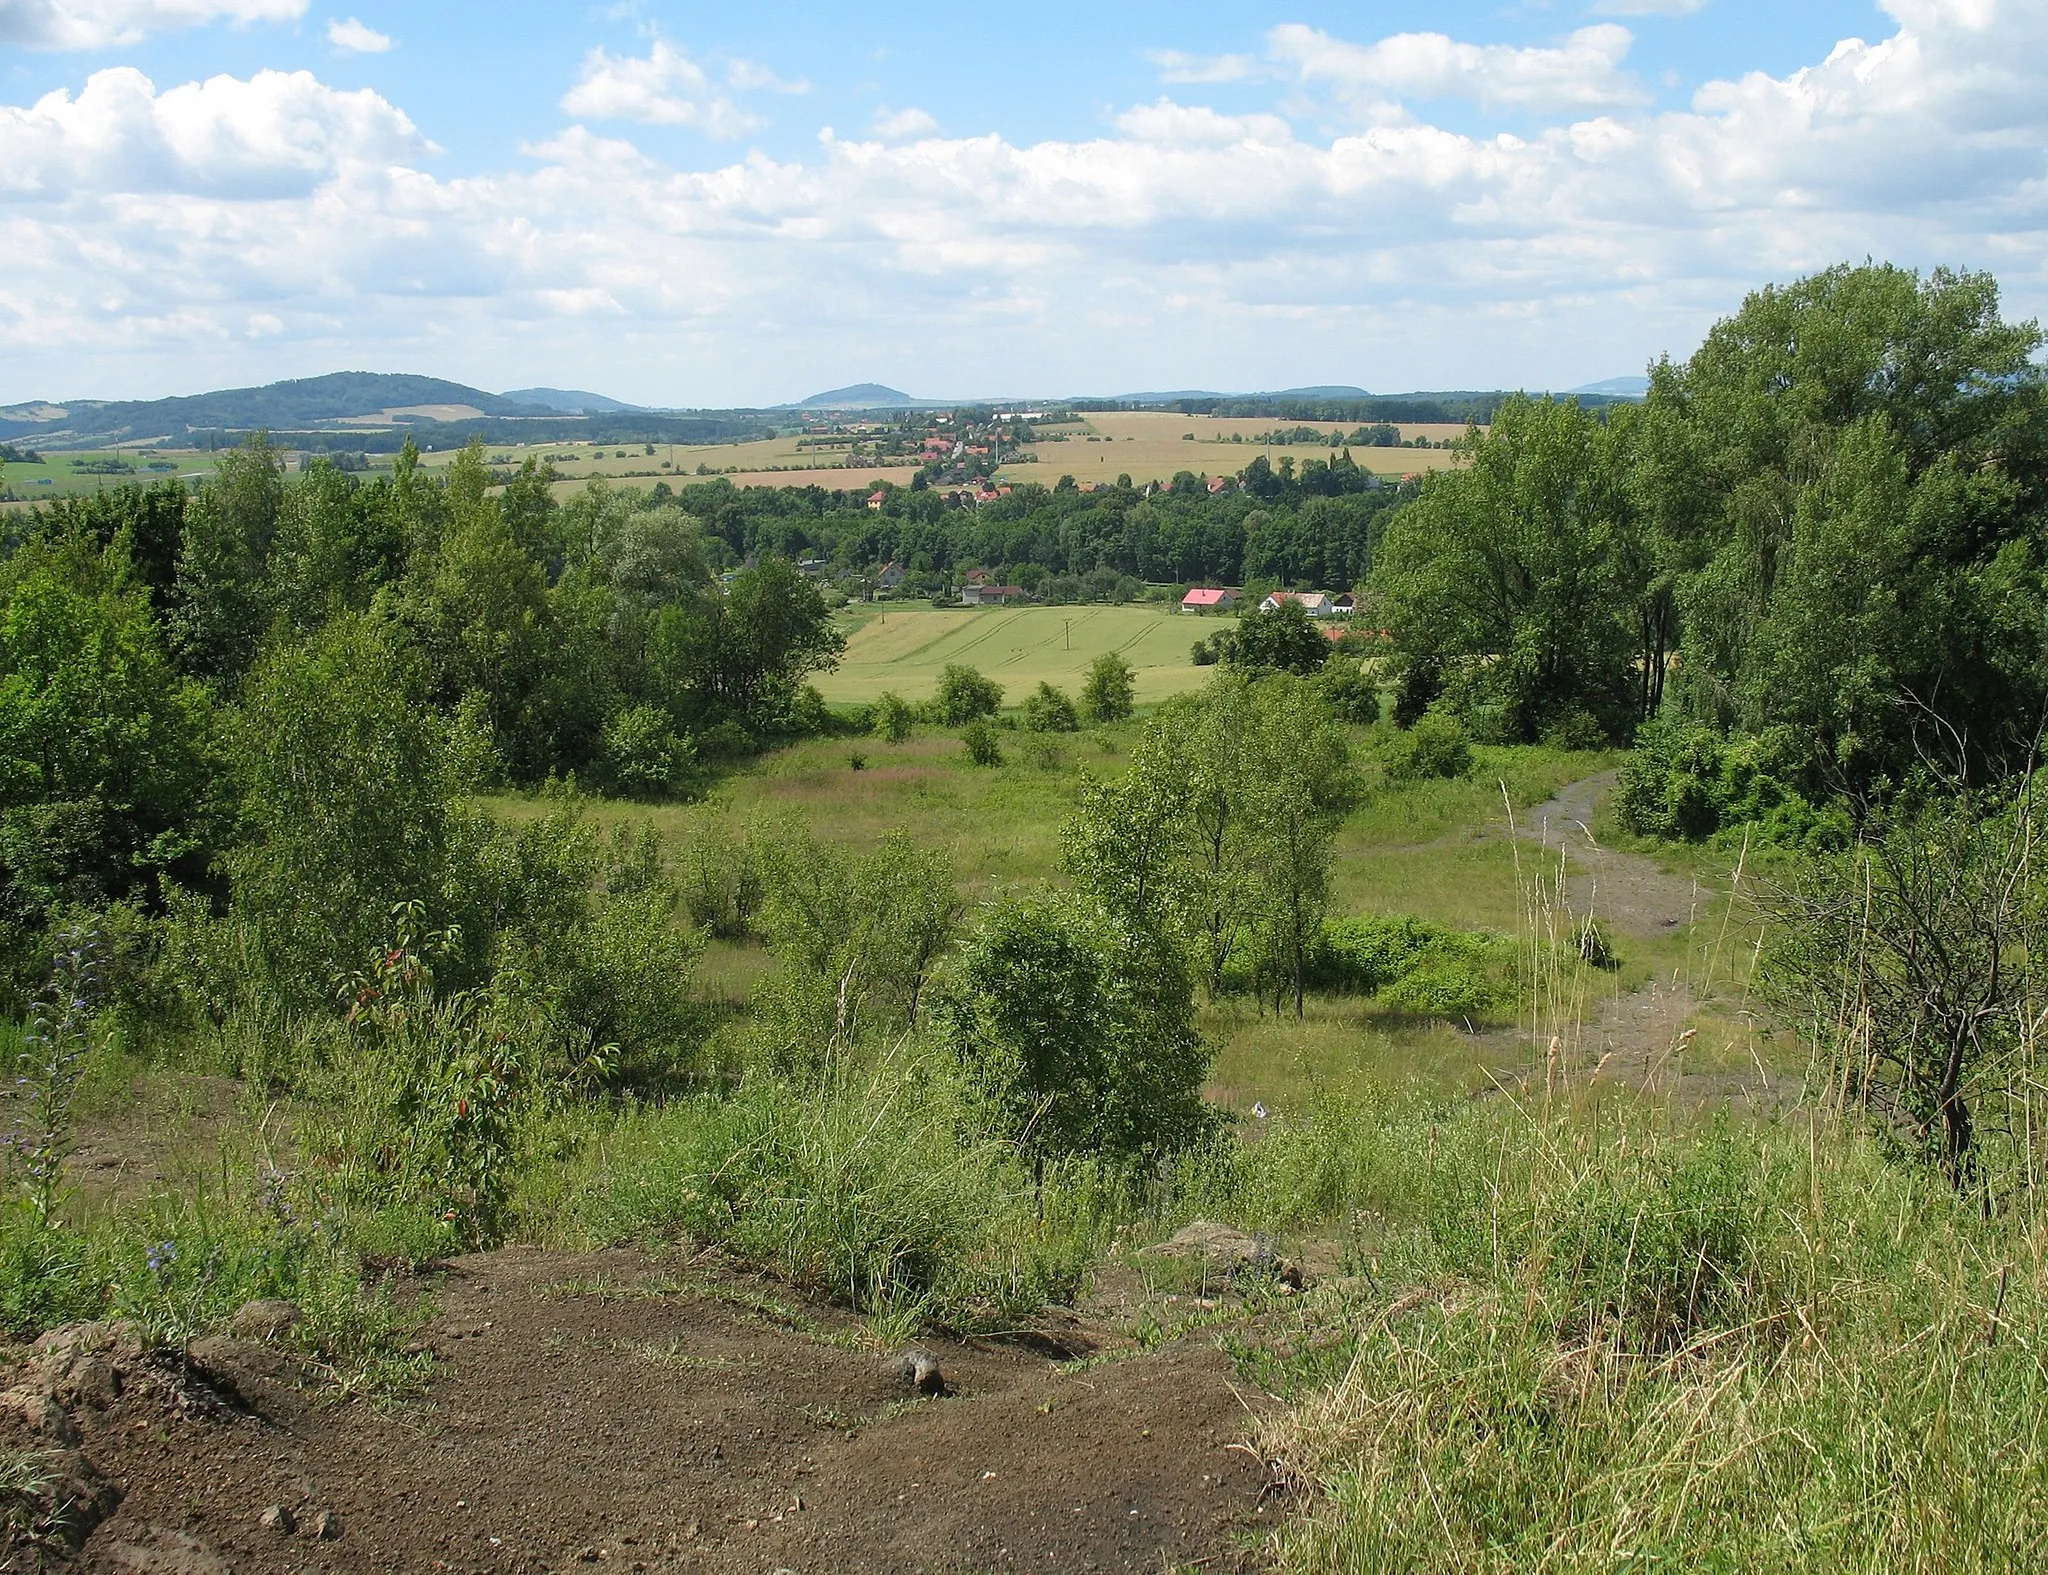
point(344, 799)
point(1863, 462)
point(106, 778)
point(1502, 583)
point(1297, 786)
point(220, 608)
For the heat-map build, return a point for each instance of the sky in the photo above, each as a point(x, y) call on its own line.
point(693, 205)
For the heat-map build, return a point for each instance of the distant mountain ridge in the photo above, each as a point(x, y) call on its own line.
point(376, 410)
point(299, 403)
point(857, 396)
point(569, 401)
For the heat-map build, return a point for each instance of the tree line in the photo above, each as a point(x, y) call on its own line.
point(1818, 543)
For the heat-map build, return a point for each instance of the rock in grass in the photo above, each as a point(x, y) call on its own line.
point(1218, 1246)
point(269, 1319)
point(917, 1371)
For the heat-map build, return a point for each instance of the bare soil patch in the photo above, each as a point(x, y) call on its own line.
point(617, 1410)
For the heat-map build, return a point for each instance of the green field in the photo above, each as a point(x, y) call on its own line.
point(61, 474)
point(1019, 647)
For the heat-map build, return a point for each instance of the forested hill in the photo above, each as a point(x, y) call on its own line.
point(311, 410)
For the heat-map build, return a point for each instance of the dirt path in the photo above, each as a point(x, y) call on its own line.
point(610, 1409)
point(1627, 892)
point(1639, 1037)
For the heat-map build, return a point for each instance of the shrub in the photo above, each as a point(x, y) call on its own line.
point(722, 880)
point(1076, 1039)
point(980, 738)
point(1687, 782)
point(894, 717)
point(1048, 710)
point(1285, 640)
point(1108, 690)
point(439, 1088)
point(1578, 730)
point(1351, 693)
point(1435, 747)
point(1414, 966)
point(643, 757)
point(964, 695)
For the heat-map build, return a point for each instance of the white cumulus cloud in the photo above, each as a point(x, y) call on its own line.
point(275, 134)
point(893, 125)
point(357, 38)
point(1175, 66)
point(96, 24)
point(665, 87)
point(1182, 246)
point(1582, 73)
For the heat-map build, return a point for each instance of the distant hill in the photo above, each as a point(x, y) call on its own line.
point(1322, 391)
point(301, 403)
point(859, 396)
point(568, 401)
point(1615, 388)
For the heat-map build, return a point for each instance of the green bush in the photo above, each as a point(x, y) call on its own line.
point(1076, 1032)
point(979, 736)
point(643, 757)
point(1436, 747)
point(964, 695)
point(1108, 690)
point(721, 878)
point(1049, 710)
point(1688, 783)
point(894, 717)
point(1417, 967)
point(1350, 691)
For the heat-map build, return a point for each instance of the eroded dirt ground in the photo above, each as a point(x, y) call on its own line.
point(614, 1410)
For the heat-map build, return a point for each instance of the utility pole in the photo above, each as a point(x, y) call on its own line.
point(1070, 632)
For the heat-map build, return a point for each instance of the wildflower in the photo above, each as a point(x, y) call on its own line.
point(162, 1256)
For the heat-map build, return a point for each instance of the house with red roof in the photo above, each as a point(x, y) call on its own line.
point(1314, 603)
point(1208, 599)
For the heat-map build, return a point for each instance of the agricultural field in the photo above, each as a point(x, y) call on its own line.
point(1155, 445)
point(61, 474)
point(904, 649)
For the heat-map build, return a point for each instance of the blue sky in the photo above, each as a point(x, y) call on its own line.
point(707, 205)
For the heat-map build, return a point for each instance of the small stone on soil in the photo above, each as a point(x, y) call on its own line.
point(277, 1519)
point(265, 1320)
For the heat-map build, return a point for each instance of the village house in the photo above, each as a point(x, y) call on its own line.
point(877, 499)
point(889, 577)
point(1314, 603)
point(992, 595)
point(1208, 599)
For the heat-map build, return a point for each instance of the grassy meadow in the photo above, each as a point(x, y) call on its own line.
point(904, 649)
point(1436, 851)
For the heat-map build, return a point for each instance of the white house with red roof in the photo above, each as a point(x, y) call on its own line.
point(1208, 599)
point(1315, 603)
